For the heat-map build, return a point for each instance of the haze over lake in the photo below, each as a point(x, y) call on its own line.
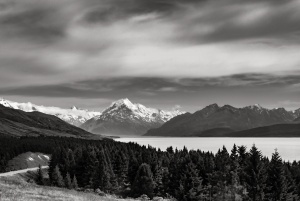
point(289, 148)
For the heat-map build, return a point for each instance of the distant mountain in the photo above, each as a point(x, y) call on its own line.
point(296, 113)
point(222, 120)
point(297, 120)
point(18, 123)
point(73, 115)
point(125, 118)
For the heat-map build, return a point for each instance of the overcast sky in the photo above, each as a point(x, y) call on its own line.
point(160, 53)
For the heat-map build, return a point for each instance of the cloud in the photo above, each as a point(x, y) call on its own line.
point(51, 43)
point(144, 86)
point(215, 21)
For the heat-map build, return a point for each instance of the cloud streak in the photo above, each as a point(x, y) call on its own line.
point(154, 86)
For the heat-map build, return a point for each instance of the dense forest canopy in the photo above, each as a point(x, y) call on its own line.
point(130, 170)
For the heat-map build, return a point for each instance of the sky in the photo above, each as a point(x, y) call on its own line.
point(167, 54)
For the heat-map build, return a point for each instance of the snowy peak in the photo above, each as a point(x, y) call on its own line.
point(74, 108)
point(256, 106)
point(124, 108)
point(122, 102)
point(72, 116)
point(124, 117)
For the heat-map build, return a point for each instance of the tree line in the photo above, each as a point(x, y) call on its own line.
point(130, 170)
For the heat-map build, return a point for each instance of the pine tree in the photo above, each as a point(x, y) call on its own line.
point(40, 176)
point(68, 182)
point(255, 175)
point(143, 183)
point(57, 179)
point(291, 190)
point(242, 158)
point(276, 184)
point(74, 183)
point(234, 173)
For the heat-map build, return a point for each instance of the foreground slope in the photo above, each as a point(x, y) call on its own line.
point(19, 123)
point(125, 118)
point(72, 116)
point(16, 188)
point(217, 120)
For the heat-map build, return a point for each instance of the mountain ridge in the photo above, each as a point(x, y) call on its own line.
point(224, 117)
point(17, 123)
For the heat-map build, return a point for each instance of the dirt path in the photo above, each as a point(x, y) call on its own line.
point(7, 174)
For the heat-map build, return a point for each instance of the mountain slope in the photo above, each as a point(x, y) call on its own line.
point(19, 123)
point(125, 118)
point(73, 115)
point(225, 119)
point(279, 130)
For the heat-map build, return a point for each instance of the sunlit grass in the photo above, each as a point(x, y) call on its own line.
point(16, 189)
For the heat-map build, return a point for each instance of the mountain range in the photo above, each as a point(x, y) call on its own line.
point(123, 117)
point(73, 115)
point(214, 120)
point(17, 123)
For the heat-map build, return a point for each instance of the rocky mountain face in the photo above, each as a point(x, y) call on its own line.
point(72, 116)
point(125, 118)
point(18, 123)
point(225, 119)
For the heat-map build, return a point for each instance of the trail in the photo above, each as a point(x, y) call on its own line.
point(12, 173)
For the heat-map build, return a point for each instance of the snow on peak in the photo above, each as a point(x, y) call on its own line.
point(256, 106)
point(73, 116)
point(74, 108)
point(121, 102)
point(124, 108)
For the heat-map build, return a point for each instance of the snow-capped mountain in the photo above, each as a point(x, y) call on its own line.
point(72, 116)
point(123, 117)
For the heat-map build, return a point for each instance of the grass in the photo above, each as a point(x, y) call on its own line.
point(17, 189)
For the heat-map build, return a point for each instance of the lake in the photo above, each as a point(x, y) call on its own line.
point(288, 148)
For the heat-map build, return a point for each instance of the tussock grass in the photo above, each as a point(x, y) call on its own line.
point(17, 189)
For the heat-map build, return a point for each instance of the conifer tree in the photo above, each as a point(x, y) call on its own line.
point(40, 176)
point(255, 175)
point(68, 182)
point(74, 183)
point(143, 183)
point(291, 190)
point(276, 184)
point(234, 173)
point(57, 179)
point(132, 169)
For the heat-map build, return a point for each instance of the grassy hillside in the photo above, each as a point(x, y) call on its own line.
point(21, 187)
point(17, 189)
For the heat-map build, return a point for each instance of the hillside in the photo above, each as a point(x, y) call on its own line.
point(225, 119)
point(19, 123)
point(16, 188)
point(28, 160)
point(279, 130)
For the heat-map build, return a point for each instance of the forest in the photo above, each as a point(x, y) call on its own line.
point(131, 170)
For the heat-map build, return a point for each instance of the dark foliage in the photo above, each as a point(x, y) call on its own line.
point(129, 169)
